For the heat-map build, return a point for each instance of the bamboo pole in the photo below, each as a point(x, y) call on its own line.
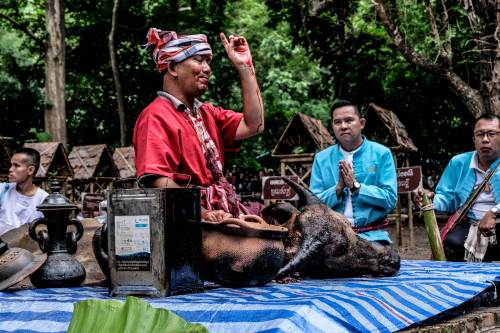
point(432, 229)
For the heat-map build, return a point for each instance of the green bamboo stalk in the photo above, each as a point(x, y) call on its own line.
point(433, 231)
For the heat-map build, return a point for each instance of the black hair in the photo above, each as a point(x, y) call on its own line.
point(341, 103)
point(33, 157)
point(487, 116)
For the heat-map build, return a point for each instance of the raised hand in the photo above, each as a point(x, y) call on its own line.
point(237, 50)
point(347, 174)
point(340, 184)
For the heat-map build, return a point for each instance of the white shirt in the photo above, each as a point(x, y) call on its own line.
point(348, 212)
point(485, 200)
point(17, 209)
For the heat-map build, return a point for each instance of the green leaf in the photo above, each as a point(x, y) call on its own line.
point(135, 315)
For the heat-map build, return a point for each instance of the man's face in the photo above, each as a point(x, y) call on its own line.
point(20, 170)
point(347, 126)
point(193, 74)
point(486, 139)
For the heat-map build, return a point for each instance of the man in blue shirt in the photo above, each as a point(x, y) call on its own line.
point(474, 238)
point(356, 177)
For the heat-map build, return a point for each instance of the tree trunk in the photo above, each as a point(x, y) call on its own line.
point(492, 90)
point(55, 59)
point(469, 96)
point(116, 75)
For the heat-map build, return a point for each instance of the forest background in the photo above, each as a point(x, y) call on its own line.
point(436, 64)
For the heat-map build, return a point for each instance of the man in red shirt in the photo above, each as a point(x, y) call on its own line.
point(177, 137)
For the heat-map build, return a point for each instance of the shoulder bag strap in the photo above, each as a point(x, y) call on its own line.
point(470, 201)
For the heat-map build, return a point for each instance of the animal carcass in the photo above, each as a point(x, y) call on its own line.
point(321, 243)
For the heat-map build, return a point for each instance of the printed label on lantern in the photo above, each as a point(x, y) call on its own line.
point(132, 243)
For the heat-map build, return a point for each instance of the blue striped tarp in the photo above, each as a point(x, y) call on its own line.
point(419, 291)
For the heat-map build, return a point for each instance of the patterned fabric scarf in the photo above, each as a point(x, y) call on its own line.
point(228, 201)
point(476, 244)
point(170, 48)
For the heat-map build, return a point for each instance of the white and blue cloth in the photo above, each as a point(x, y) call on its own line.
point(422, 289)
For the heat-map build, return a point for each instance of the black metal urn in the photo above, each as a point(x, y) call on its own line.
point(60, 269)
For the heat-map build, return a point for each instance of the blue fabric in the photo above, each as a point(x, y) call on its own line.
point(419, 291)
point(374, 168)
point(4, 187)
point(457, 183)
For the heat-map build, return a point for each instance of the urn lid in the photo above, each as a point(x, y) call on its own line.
point(55, 200)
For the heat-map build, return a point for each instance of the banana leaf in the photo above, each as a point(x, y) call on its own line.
point(132, 316)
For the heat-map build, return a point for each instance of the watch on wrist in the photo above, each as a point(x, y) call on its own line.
point(355, 186)
point(495, 210)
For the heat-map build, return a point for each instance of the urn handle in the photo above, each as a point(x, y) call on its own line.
point(100, 247)
point(71, 237)
point(42, 236)
point(247, 225)
point(253, 218)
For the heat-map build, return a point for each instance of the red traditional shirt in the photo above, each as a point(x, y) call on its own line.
point(166, 142)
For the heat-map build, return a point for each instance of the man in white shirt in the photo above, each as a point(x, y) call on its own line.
point(19, 197)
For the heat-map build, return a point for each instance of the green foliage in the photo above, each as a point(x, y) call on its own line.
point(40, 136)
point(287, 76)
point(303, 63)
point(21, 99)
point(359, 62)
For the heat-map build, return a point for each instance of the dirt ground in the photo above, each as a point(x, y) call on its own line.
point(420, 249)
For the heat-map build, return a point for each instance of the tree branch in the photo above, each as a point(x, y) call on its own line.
point(400, 40)
point(432, 20)
point(39, 42)
point(468, 95)
point(474, 22)
point(445, 25)
point(443, 53)
point(494, 84)
point(445, 17)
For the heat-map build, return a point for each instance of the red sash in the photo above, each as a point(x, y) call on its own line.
point(377, 225)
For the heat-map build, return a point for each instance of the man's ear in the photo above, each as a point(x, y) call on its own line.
point(362, 121)
point(171, 69)
point(31, 170)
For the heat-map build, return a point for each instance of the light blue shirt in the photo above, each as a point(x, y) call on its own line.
point(374, 169)
point(457, 183)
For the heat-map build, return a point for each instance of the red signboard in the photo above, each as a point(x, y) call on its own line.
point(275, 188)
point(409, 178)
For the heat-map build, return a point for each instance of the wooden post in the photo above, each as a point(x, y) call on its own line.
point(410, 212)
point(399, 235)
point(410, 221)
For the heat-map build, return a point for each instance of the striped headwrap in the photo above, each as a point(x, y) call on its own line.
point(170, 48)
